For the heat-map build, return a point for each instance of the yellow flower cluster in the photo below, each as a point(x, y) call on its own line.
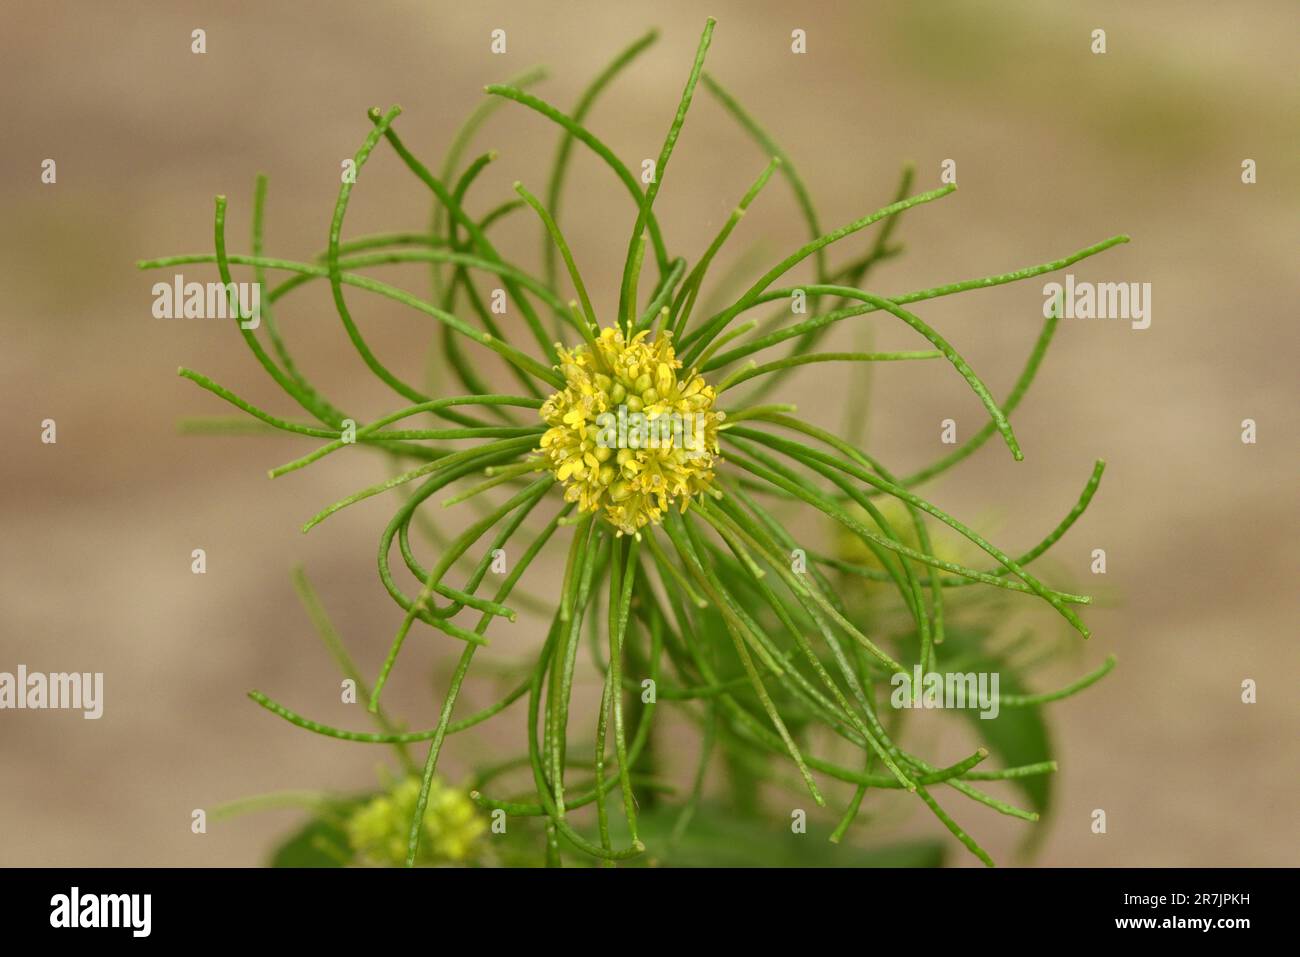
point(379, 829)
point(626, 434)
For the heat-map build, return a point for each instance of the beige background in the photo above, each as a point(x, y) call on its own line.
point(1056, 149)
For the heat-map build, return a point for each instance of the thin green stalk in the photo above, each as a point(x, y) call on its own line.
point(635, 246)
point(852, 275)
point(660, 304)
point(685, 301)
point(373, 428)
point(620, 600)
point(628, 314)
point(445, 725)
point(480, 239)
point(747, 662)
point(558, 238)
point(467, 538)
point(744, 375)
point(771, 148)
point(455, 458)
point(1026, 700)
point(705, 333)
point(588, 139)
point(560, 165)
point(808, 455)
point(985, 431)
point(460, 141)
point(506, 351)
point(223, 393)
point(315, 609)
point(322, 409)
point(936, 292)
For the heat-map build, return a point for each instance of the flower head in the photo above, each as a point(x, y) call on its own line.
point(628, 434)
point(379, 829)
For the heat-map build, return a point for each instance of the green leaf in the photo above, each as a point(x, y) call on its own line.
point(1017, 735)
point(321, 842)
point(718, 837)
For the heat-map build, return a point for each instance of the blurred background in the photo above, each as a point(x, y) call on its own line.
point(1056, 148)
